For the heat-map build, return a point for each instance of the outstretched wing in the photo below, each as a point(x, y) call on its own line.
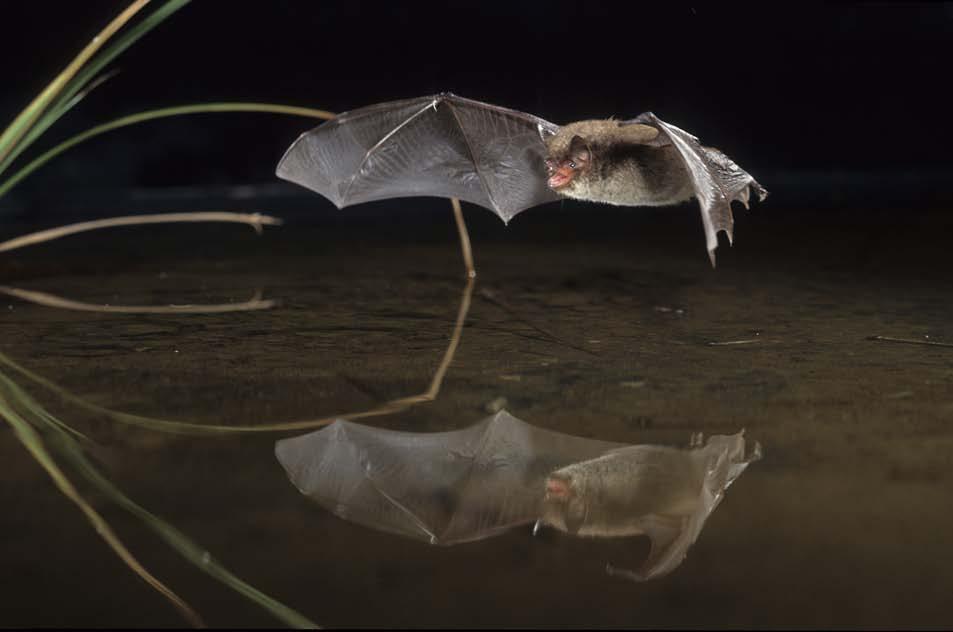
point(717, 180)
point(443, 145)
point(442, 487)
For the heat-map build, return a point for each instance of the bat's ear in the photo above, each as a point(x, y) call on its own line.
point(579, 148)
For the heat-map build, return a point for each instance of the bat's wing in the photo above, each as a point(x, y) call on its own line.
point(717, 180)
point(444, 487)
point(443, 145)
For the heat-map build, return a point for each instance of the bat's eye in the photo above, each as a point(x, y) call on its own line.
point(572, 164)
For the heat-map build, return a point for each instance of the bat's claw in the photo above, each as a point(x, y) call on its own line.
point(743, 196)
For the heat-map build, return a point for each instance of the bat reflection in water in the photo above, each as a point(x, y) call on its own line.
point(508, 161)
point(463, 485)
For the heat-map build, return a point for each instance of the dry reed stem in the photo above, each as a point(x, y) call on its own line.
point(181, 427)
point(255, 220)
point(467, 251)
point(910, 341)
point(51, 300)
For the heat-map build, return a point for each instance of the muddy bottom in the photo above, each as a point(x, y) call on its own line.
point(612, 326)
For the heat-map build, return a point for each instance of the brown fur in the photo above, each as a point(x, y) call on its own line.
point(612, 494)
point(623, 169)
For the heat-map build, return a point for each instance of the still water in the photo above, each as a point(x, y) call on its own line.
point(620, 332)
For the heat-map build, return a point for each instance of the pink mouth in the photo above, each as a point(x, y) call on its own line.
point(556, 488)
point(559, 179)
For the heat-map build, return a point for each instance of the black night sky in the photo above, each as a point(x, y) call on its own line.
point(819, 90)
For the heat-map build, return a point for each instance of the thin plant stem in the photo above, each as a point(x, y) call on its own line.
point(149, 115)
point(32, 441)
point(22, 123)
point(189, 428)
point(58, 302)
point(434, 389)
point(192, 552)
point(387, 407)
point(77, 79)
point(465, 248)
point(255, 220)
point(910, 341)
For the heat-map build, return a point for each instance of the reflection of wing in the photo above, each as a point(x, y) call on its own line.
point(443, 145)
point(717, 180)
point(451, 487)
point(444, 487)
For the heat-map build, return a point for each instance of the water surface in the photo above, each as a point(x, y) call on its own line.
point(610, 326)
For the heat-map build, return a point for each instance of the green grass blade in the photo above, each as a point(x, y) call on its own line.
point(150, 115)
point(170, 426)
point(73, 91)
point(187, 548)
point(22, 124)
point(34, 444)
point(36, 130)
point(72, 451)
point(45, 122)
point(118, 47)
point(46, 111)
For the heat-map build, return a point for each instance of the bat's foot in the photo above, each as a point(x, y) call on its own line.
point(612, 571)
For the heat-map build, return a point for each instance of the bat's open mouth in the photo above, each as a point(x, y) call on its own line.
point(559, 179)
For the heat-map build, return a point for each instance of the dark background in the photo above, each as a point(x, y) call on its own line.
point(848, 97)
point(841, 111)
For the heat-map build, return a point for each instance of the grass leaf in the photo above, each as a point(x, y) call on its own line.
point(149, 115)
point(16, 406)
point(58, 96)
point(34, 444)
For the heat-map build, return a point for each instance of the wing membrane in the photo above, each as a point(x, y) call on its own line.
point(442, 487)
point(717, 180)
point(444, 146)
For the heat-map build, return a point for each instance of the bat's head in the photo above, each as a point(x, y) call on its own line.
point(564, 167)
point(612, 494)
point(559, 508)
point(559, 487)
point(578, 154)
point(563, 505)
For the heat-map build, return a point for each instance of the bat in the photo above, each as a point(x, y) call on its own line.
point(463, 485)
point(508, 161)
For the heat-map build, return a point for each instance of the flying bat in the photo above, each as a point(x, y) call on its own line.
point(508, 161)
point(451, 487)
